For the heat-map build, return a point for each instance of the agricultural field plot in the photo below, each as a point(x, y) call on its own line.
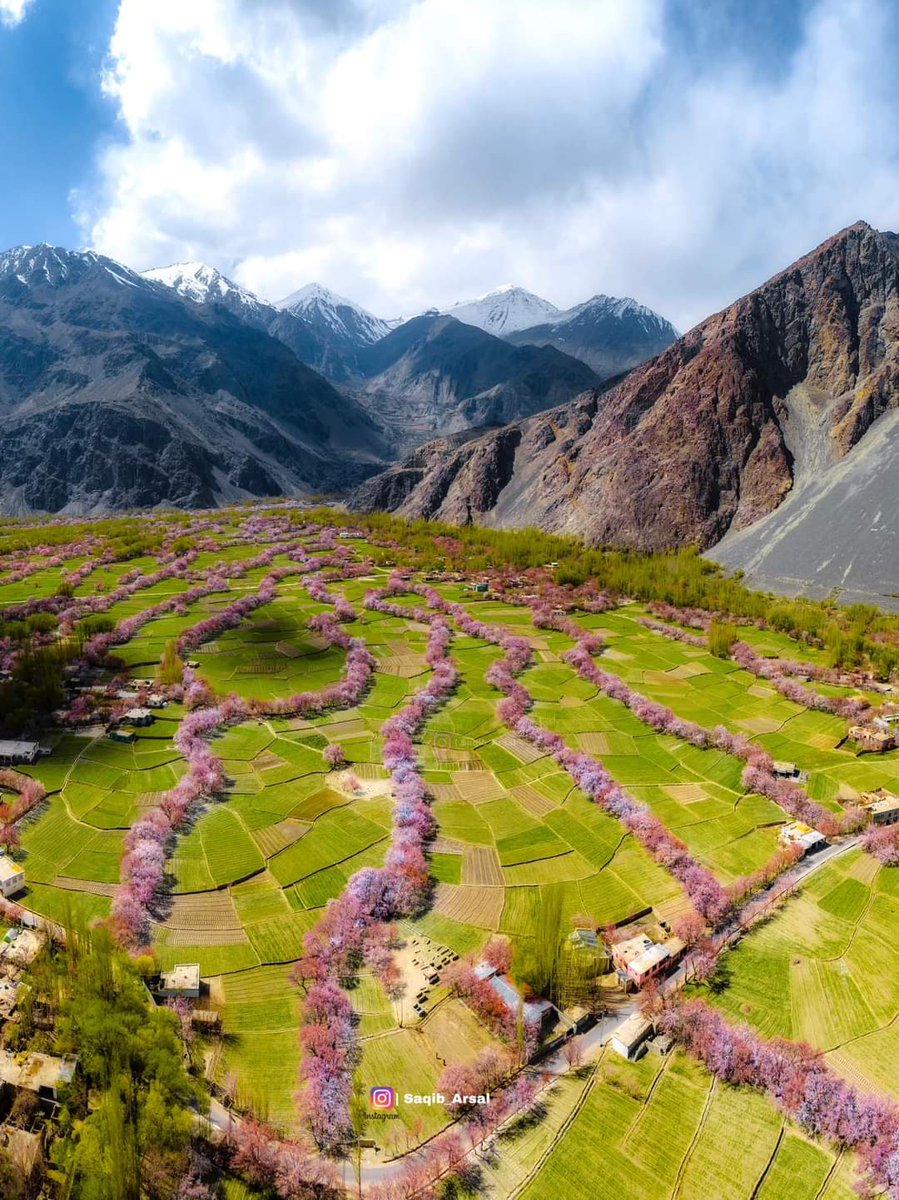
point(696, 793)
point(272, 653)
point(825, 969)
point(257, 1065)
point(669, 1130)
point(717, 691)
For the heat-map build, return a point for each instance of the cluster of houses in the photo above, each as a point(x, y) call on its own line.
point(879, 736)
point(882, 805)
point(31, 1083)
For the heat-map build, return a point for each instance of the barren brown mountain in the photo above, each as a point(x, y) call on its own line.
point(707, 438)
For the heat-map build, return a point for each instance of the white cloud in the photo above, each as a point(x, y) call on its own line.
point(13, 11)
point(410, 152)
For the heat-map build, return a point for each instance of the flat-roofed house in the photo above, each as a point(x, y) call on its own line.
point(43, 1074)
point(642, 959)
point(630, 1035)
point(12, 752)
point(873, 737)
point(797, 833)
point(182, 981)
point(12, 876)
point(883, 806)
point(138, 716)
point(535, 1011)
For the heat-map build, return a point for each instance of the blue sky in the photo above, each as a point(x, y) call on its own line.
point(418, 152)
point(52, 115)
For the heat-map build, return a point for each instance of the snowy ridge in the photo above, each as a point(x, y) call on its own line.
point(201, 283)
point(618, 308)
point(507, 309)
point(335, 315)
point(42, 265)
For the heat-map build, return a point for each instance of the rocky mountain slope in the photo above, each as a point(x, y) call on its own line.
point(611, 335)
point(706, 439)
point(435, 375)
point(117, 392)
point(203, 284)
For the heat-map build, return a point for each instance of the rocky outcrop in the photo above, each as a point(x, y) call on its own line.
point(706, 438)
point(434, 376)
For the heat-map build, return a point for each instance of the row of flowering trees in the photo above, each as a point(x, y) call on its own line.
point(710, 899)
point(796, 1078)
point(150, 840)
point(777, 672)
point(27, 794)
point(758, 774)
point(352, 929)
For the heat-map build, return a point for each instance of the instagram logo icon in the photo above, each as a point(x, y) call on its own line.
point(383, 1098)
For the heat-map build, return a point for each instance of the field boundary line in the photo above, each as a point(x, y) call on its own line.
point(770, 1162)
point(559, 1136)
point(681, 1171)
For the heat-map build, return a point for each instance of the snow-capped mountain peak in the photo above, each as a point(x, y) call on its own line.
point(335, 316)
point(201, 283)
point(507, 309)
point(43, 266)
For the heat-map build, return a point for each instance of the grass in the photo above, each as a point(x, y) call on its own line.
point(807, 972)
point(665, 1130)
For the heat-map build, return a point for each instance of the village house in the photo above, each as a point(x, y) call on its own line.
point(789, 770)
point(126, 736)
point(630, 1036)
point(44, 1074)
point(876, 738)
point(12, 877)
point(797, 833)
point(183, 981)
point(138, 716)
point(537, 1011)
point(640, 959)
point(12, 752)
point(20, 947)
point(882, 805)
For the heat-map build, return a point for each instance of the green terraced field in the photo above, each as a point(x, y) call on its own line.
point(251, 875)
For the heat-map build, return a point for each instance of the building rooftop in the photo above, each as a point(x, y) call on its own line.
point(887, 804)
point(648, 959)
point(9, 869)
point(36, 1071)
point(182, 977)
point(798, 833)
point(137, 714)
point(11, 749)
point(632, 1032)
